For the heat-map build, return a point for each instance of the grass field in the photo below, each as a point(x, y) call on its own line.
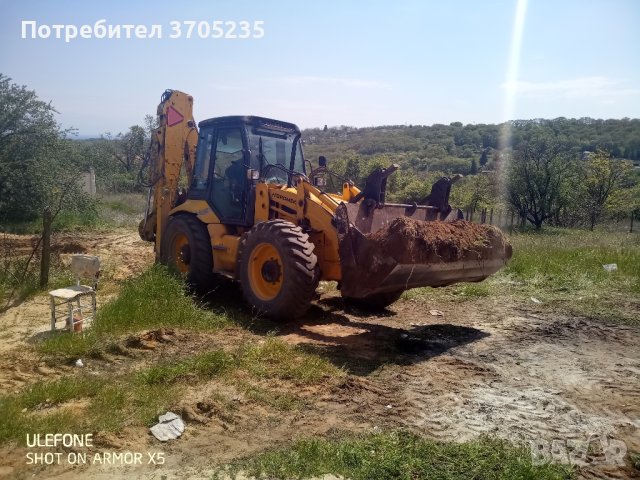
point(399, 455)
point(563, 269)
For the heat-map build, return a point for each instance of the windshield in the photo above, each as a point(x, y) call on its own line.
point(275, 148)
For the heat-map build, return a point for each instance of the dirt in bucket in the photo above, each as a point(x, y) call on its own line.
point(415, 241)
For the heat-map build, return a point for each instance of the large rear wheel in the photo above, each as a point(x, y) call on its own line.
point(278, 269)
point(186, 249)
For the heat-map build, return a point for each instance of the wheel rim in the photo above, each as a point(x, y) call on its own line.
point(181, 253)
point(265, 271)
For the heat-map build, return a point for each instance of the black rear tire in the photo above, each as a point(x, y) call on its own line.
point(278, 270)
point(186, 249)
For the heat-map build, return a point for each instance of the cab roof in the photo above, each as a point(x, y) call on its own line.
point(253, 121)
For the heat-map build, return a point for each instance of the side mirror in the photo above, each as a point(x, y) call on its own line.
point(322, 161)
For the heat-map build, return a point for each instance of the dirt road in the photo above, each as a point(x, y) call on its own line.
point(488, 365)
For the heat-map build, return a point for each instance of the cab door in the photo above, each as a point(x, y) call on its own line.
point(229, 178)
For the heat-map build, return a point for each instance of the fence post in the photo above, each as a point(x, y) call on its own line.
point(46, 247)
point(631, 224)
point(491, 217)
point(511, 227)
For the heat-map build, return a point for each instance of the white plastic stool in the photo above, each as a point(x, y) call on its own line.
point(77, 311)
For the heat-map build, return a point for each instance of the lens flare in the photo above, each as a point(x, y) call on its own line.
point(511, 82)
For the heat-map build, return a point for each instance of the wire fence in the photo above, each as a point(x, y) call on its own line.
point(508, 220)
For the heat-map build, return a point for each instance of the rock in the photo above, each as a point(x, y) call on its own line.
point(436, 313)
point(79, 363)
point(535, 300)
point(610, 267)
point(170, 427)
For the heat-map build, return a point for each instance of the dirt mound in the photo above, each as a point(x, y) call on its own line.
point(412, 241)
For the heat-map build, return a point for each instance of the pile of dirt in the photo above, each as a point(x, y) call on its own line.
point(414, 241)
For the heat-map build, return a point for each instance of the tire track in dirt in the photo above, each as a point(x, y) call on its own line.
point(532, 379)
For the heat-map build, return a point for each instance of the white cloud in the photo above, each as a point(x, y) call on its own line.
point(602, 88)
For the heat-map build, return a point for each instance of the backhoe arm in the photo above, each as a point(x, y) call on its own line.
point(173, 145)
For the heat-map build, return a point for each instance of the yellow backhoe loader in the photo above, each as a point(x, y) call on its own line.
point(252, 212)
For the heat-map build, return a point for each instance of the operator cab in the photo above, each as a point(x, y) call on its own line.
point(233, 153)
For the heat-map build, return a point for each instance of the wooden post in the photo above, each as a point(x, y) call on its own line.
point(631, 223)
point(473, 210)
point(45, 261)
point(511, 227)
point(491, 217)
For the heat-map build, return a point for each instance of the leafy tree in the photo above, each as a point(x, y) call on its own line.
point(38, 165)
point(130, 147)
point(538, 178)
point(474, 192)
point(603, 176)
point(474, 167)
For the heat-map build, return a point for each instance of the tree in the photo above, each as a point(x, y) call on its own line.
point(474, 167)
point(38, 164)
point(603, 176)
point(130, 147)
point(474, 192)
point(484, 159)
point(538, 178)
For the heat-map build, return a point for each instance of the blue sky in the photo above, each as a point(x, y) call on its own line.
point(338, 63)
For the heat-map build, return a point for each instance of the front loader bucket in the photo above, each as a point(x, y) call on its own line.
point(392, 248)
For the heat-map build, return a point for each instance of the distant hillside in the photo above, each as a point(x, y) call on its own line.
point(428, 147)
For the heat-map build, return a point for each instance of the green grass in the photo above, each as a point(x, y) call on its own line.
point(399, 455)
point(122, 210)
point(203, 366)
point(155, 299)
point(18, 415)
point(138, 398)
point(563, 269)
point(152, 300)
point(281, 401)
point(275, 359)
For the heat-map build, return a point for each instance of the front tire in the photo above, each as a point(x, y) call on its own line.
point(278, 269)
point(186, 249)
